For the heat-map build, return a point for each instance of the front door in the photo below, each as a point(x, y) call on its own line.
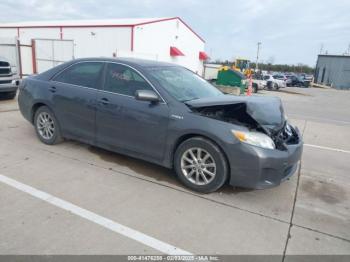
point(122, 122)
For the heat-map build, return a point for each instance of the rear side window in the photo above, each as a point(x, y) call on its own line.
point(83, 74)
point(123, 80)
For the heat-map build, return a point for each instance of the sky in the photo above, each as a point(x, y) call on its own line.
point(291, 31)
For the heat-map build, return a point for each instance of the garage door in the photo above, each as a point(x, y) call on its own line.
point(51, 52)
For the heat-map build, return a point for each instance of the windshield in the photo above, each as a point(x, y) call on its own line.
point(183, 84)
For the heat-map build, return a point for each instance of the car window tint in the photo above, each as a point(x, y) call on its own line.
point(123, 80)
point(82, 74)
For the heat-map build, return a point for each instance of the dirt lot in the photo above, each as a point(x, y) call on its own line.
point(309, 214)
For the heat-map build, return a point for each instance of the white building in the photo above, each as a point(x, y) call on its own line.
point(44, 44)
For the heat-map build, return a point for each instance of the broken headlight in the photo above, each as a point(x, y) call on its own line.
point(255, 139)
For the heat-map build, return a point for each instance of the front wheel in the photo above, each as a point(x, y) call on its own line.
point(269, 85)
point(46, 126)
point(200, 165)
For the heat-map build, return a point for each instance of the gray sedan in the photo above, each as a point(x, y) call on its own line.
point(167, 115)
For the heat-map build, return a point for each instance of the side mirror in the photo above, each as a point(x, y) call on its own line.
point(147, 95)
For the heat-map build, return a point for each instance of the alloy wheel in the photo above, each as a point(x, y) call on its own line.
point(198, 166)
point(45, 125)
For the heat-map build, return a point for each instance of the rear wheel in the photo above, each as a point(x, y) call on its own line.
point(47, 127)
point(269, 85)
point(200, 165)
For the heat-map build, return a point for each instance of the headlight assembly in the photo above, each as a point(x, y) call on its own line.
point(255, 139)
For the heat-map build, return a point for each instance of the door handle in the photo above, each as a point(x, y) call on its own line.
point(104, 101)
point(52, 89)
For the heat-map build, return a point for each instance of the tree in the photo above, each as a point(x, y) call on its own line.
point(269, 66)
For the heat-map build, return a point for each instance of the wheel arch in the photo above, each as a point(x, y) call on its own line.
point(185, 137)
point(35, 107)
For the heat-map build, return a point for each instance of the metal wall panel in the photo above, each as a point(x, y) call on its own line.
point(336, 71)
point(9, 51)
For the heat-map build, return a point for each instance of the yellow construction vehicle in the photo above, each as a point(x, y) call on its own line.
point(242, 65)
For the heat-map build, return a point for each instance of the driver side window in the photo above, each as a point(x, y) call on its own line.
point(123, 80)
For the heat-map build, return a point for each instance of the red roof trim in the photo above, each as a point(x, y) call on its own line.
point(108, 25)
point(155, 21)
point(174, 51)
point(63, 26)
point(173, 18)
point(182, 21)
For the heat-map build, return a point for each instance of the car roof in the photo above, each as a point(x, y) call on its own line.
point(132, 62)
point(128, 61)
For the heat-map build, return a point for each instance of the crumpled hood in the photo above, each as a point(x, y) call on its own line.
point(267, 111)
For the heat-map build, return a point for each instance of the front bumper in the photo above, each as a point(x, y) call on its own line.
point(8, 84)
point(259, 168)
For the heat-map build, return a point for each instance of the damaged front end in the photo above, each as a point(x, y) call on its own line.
point(257, 114)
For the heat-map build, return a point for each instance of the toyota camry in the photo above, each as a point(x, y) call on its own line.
point(165, 114)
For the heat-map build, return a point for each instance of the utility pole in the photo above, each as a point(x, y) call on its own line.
point(257, 57)
point(321, 49)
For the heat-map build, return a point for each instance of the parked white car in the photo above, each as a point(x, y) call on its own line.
point(274, 83)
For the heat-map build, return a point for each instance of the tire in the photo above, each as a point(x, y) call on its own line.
point(11, 95)
point(46, 126)
point(269, 85)
point(255, 88)
point(216, 164)
point(8, 95)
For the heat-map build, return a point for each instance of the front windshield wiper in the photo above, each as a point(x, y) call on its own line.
point(187, 100)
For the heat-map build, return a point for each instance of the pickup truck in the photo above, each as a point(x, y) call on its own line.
point(9, 80)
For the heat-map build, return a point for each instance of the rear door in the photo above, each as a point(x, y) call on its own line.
point(122, 122)
point(74, 93)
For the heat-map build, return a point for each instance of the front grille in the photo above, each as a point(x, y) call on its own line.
point(3, 63)
point(5, 71)
point(5, 82)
